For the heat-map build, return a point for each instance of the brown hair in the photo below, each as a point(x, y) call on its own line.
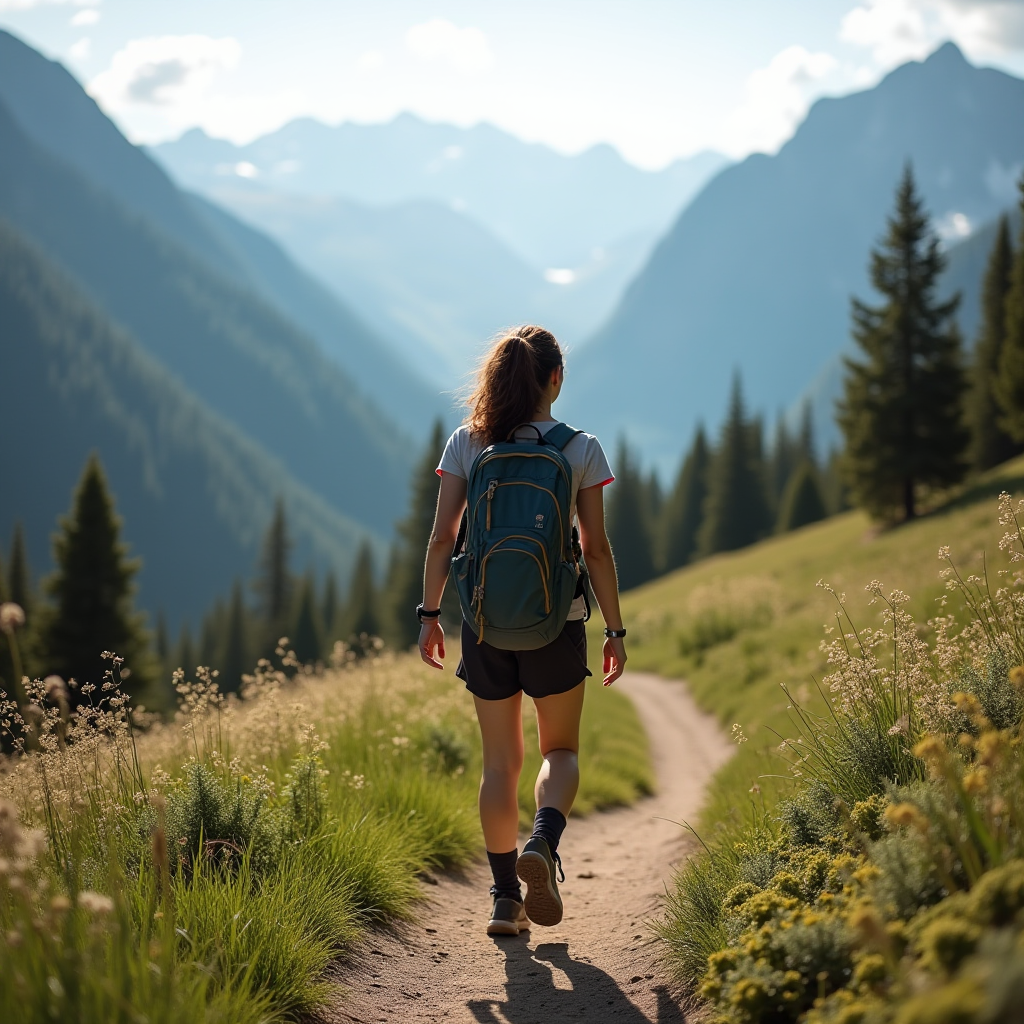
point(510, 382)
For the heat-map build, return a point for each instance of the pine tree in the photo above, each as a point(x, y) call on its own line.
point(736, 511)
point(211, 635)
point(990, 444)
point(684, 508)
point(274, 584)
point(405, 577)
point(902, 408)
point(361, 607)
point(1010, 381)
point(234, 662)
point(306, 636)
point(91, 593)
point(329, 612)
point(185, 656)
point(802, 502)
point(19, 575)
point(783, 461)
point(628, 522)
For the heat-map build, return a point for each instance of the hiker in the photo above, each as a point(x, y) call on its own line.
point(519, 482)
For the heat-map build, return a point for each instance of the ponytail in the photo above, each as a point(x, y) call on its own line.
point(511, 381)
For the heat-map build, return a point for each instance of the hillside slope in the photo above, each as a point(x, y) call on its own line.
point(238, 355)
point(737, 626)
point(53, 110)
point(196, 495)
point(758, 271)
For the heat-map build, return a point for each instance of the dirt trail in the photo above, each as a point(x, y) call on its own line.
point(599, 964)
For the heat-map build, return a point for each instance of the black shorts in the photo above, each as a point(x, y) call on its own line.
point(493, 674)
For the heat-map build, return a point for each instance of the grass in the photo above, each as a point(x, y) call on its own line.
point(213, 868)
point(863, 853)
point(770, 617)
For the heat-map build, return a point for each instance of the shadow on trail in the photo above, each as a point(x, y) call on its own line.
point(531, 996)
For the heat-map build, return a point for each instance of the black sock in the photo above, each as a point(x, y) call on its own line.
point(503, 870)
point(549, 825)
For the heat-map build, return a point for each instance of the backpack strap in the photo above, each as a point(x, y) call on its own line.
point(560, 435)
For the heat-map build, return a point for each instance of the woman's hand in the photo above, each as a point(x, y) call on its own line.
point(431, 636)
point(614, 658)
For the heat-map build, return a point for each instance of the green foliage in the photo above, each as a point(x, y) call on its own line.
point(91, 592)
point(405, 581)
point(362, 606)
point(901, 411)
point(629, 522)
point(990, 444)
point(736, 510)
point(684, 508)
point(1009, 383)
point(801, 503)
point(306, 635)
point(274, 584)
point(236, 658)
point(19, 575)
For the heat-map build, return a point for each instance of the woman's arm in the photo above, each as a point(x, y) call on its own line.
point(597, 553)
point(451, 501)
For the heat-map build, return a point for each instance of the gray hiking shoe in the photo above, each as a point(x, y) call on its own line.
point(508, 917)
point(536, 867)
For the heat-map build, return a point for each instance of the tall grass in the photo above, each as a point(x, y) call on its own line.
point(890, 887)
point(212, 868)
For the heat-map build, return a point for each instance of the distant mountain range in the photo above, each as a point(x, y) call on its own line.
point(440, 236)
point(757, 272)
point(51, 108)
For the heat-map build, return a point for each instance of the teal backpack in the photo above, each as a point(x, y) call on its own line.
point(520, 566)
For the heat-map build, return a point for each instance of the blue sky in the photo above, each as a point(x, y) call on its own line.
point(657, 79)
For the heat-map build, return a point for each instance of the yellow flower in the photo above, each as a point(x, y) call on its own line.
point(930, 748)
point(1017, 676)
point(976, 782)
point(904, 814)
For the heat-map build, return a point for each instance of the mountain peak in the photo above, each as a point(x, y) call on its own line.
point(946, 56)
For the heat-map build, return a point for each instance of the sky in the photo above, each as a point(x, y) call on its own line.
point(656, 79)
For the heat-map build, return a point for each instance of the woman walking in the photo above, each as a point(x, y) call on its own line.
point(517, 383)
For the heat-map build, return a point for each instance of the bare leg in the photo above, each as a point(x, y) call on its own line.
point(558, 727)
point(501, 729)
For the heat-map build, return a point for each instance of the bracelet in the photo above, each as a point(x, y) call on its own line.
point(422, 613)
point(614, 633)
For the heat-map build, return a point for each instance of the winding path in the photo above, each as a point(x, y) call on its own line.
point(600, 963)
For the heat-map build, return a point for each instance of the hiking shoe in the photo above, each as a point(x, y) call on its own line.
point(508, 917)
point(536, 867)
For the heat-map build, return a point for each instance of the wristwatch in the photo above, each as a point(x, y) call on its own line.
point(422, 613)
point(614, 633)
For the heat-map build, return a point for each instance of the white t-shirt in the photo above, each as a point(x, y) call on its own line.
point(589, 463)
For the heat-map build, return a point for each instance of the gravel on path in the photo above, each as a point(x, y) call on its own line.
point(601, 963)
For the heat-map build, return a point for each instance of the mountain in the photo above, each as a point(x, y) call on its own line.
point(433, 281)
point(552, 210)
point(757, 272)
point(61, 119)
point(237, 354)
point(195, 494)
point(439, 236)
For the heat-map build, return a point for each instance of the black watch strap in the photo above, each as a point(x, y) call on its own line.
point(424, 613)
point(614, 633)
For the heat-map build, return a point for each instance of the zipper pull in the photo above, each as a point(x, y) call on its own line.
point(492, 486)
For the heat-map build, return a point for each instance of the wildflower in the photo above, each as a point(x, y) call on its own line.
point(95, 902)
point(737, 733)
point(931, 748)
point(905, 814)
point(976, 782)
point(12, 617)
point(944, 552)
point(1017, 676)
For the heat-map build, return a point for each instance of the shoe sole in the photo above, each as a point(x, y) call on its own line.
point(543, 904)
point(495, 927)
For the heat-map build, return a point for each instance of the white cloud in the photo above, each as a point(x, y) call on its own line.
point(370, 61)
point(81, 49)
point(463, 49)
point(777, 98)
point(87, 16)
point(164, 71)
point(899, 30)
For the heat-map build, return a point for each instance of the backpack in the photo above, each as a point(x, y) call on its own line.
point(520, 565)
